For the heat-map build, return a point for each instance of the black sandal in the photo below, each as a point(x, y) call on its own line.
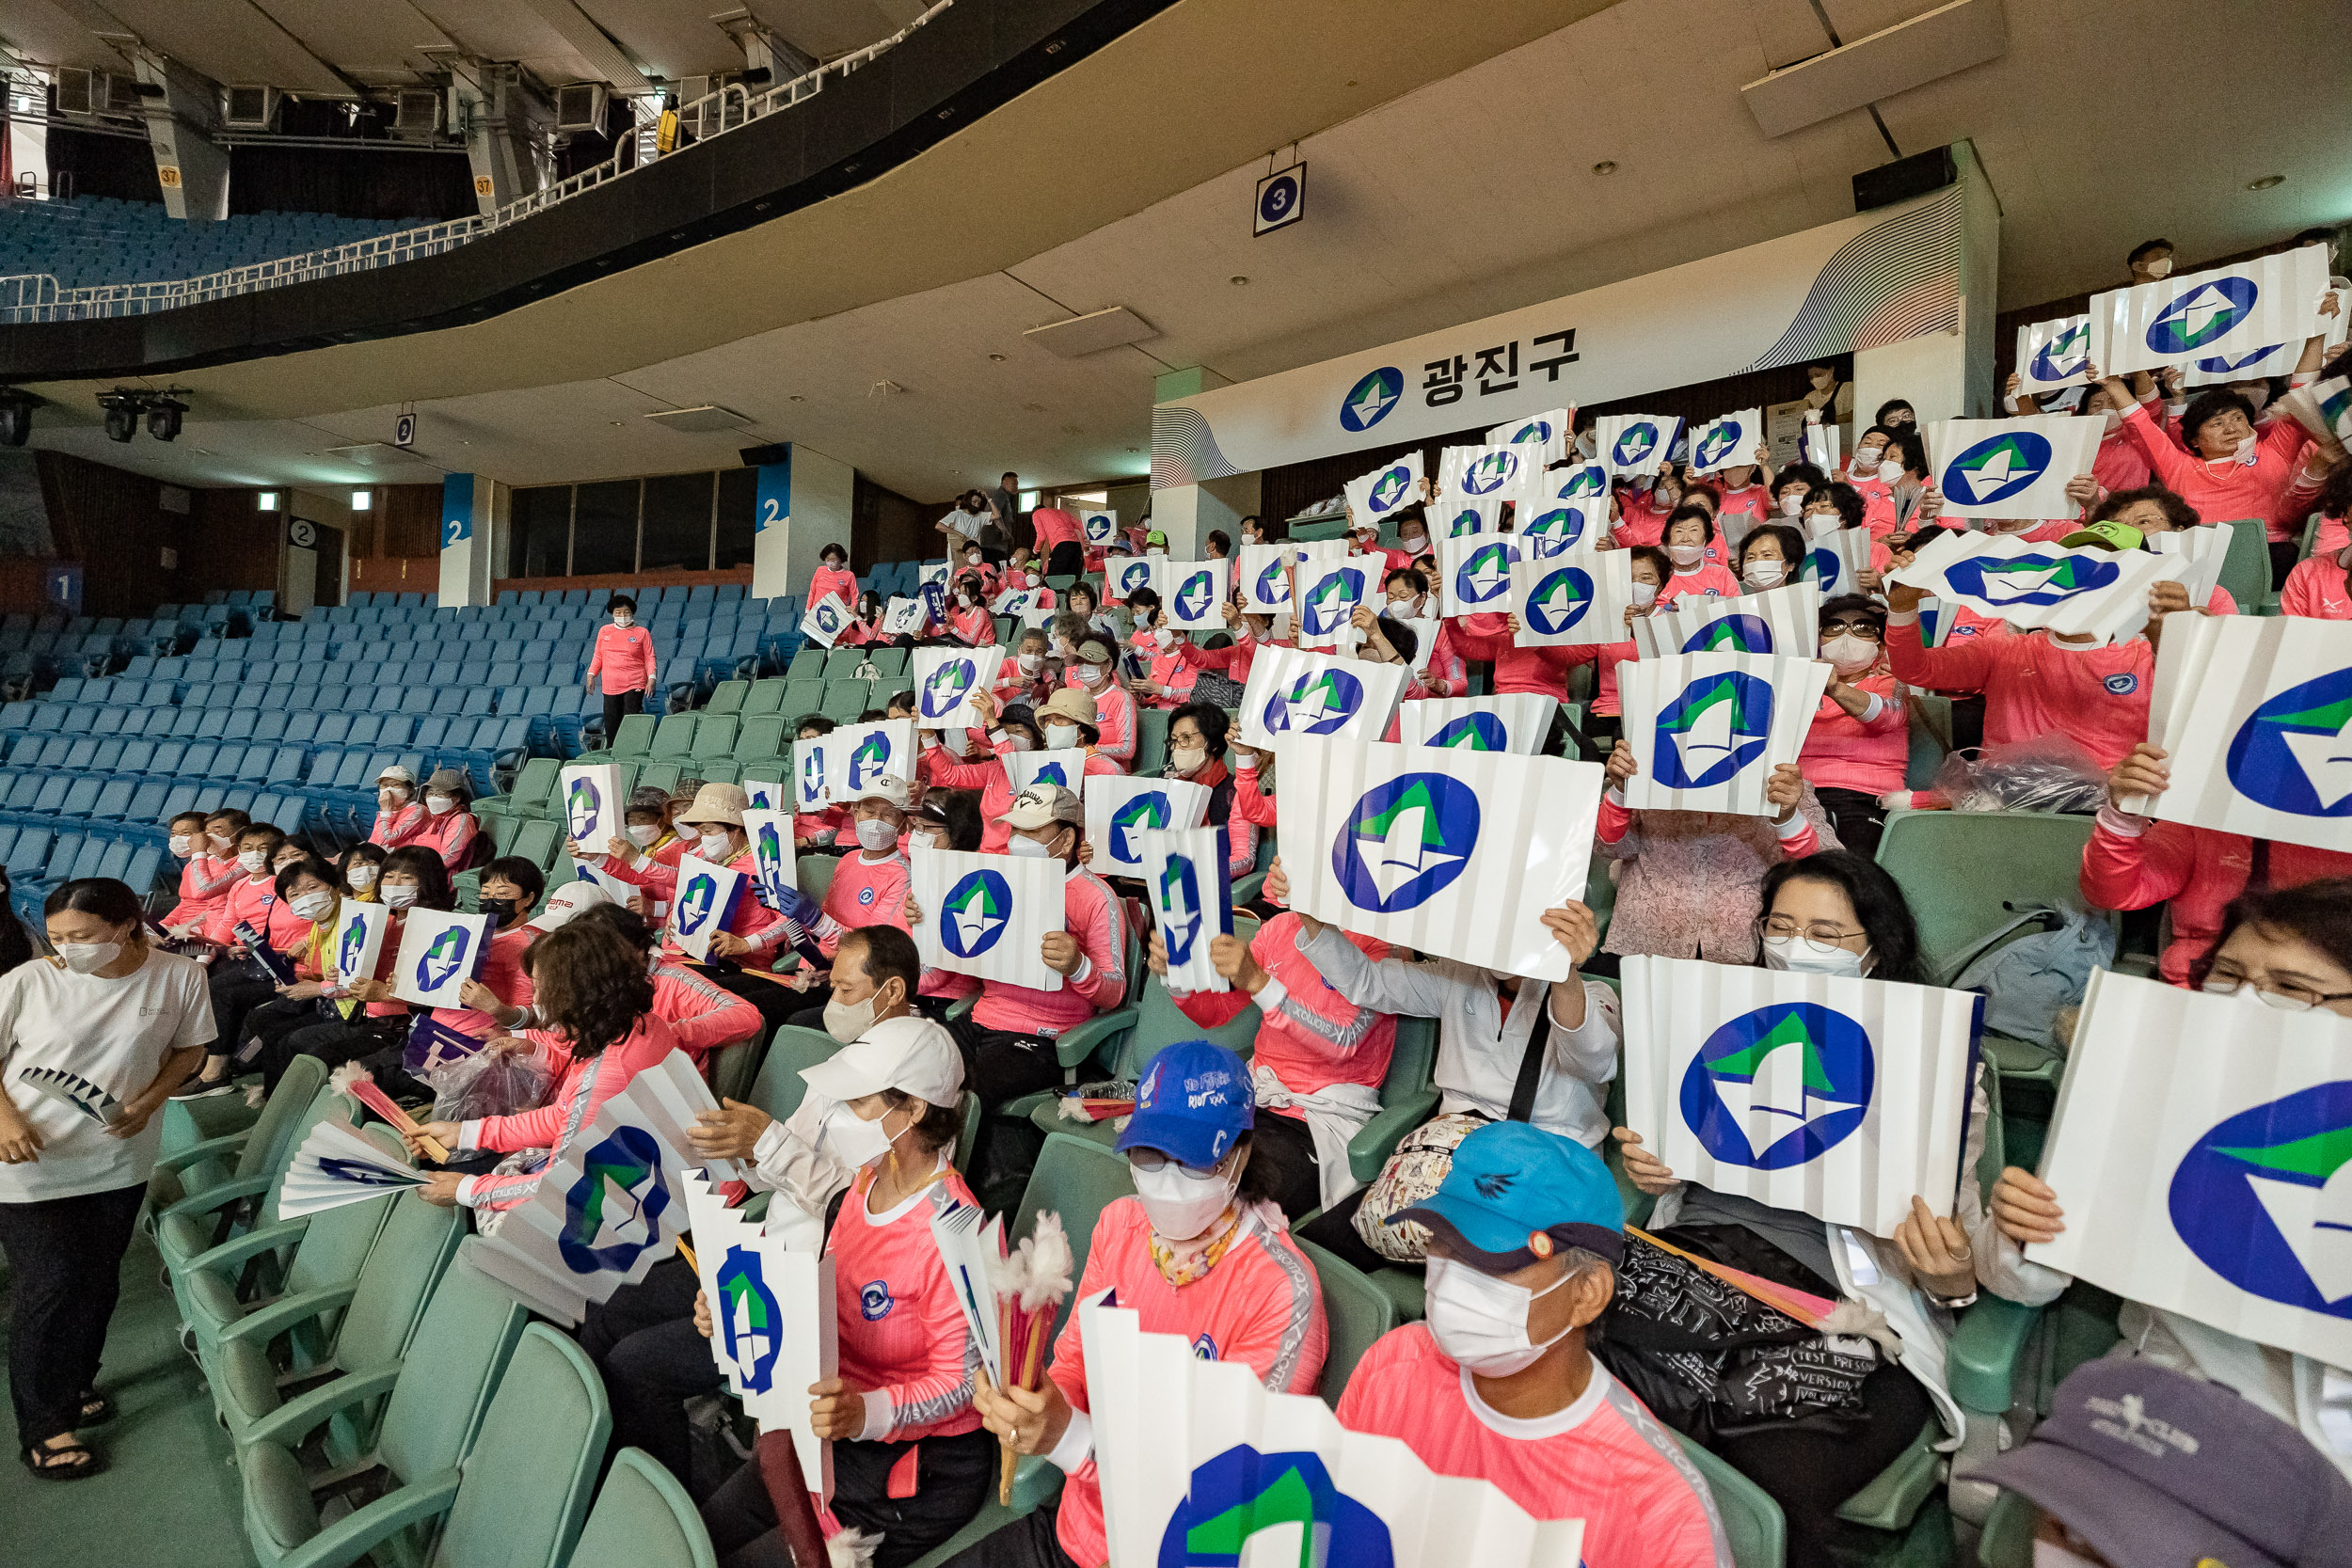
point(97, 1409)
point(41, 1458)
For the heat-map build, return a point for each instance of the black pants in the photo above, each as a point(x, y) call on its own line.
point(1858, 817)
point(776, 1002)
point(375, 1041)
point(1811, 1473)
point(618, 704)
point(952, 1478)
point(1283, 1150)
point(1967, 723)
point(66, 1255)
point(1029, 1542)
point(643, 1341)
point(1000, 1066)
point(238, 986)
point(1334, 1231)
point(2283, 555)
point(1069, 559)
point(265, 1025)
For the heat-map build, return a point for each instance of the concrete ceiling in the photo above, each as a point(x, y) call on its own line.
point(1448, 178)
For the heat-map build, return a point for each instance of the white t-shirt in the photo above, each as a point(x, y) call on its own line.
point(116, 1034)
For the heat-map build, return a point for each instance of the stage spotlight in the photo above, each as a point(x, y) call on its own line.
point(122, 414)
point(163, 418)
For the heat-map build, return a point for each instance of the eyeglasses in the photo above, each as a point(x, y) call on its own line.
point(1151, 1159)
point(1823, 934)
point(2286, 999)
point(1866, 630)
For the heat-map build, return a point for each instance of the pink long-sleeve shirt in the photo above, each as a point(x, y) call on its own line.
point(580, 1088)
point(904, 1341)
point(624, 656)
point(396, 829)
point(1870, 753)
point(2317, 587)
point(2225, 489)
point(1308, 1034)
point(450, 835)
point(204, 884)
point(1540, 671)
point(2097, 694)
point(1091, 913)
point(2131, 862)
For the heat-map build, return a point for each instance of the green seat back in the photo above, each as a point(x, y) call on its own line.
point(727, 697)
point(764, 697)
point(841, 663)
point(635, 736)
point(1159, 1023)
point(759, 740)
point(642, 1519)
point(503, 830)
point(1967, 874)
point(1753, 1523)
point(1151, 741)
point(1358, 1312)
point(450, 1368)
point(845, 700)
point(1413, 1061)
point(807, 665)
point(802, 698)
point(1931, 738)
point(766, 772)
point(660, 775)
point(2246, 570)
point(529, 1477)
point(1077, 1179)
point(714, 737)
point(779, 1088)
point(2008, 1531)
point(285, 1120)
point(539, 842)
point(412, 1253)
point(1328, 528)
point(892, 663)
point(673, 738)
point(534, 784)
point(814, 874)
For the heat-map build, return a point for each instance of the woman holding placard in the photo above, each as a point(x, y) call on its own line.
point(91, 1042)
point(355, 1017)
point(302, 925)
point(1858, 750)
point(1814, 1422)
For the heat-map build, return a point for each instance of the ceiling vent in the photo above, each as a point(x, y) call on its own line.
point(579, 106)
point(252, 108)
point(706, 419)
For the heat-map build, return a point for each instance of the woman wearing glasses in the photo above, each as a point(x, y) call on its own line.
point(1836, 914)
point(2287, 949)
point(1859, 748)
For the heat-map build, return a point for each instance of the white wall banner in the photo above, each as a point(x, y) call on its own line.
point(1194, 599)
point(1728, 442)
point(1573, 601)
point(2015, 467)
point(595, 811)
point(1328, 592)
point(1636, 444)
point(705, 892)
point(1192, 900)
point(1202, 1465)
point(1784, 620)
point(1391, 487)
point(2254, 713)
point(1837, 1098)
point(1517, 722)
point(1119, 809)
point(2004, 575)
point(1459, 856)
point(2205, 547)
point(986, 914)
point(1122, 575)
point(438, 954)
point(1707, 729)
point(1837, 558)
point(858, 754)
point(1549, 431)
point(1295, 692)
point(2200, 1149)
point(810, 777)
point(1063, 766)
point(2054, 354)
point(945, 679)
point(1265, 576)
point(1862, 283)
point(2230, 310)
point(1476, 572)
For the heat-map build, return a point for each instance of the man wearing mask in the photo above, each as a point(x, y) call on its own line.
point(1096, 674)
point(1004, 507)
point(1013, 1055)
point(624, 656)
point(2151, 262)
point(1497, 1381)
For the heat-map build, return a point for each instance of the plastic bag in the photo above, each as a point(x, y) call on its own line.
point(2050, 772)
point(486, 1085)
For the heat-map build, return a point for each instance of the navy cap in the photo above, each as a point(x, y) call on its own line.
point(1193, 1103)
point(1510, 1180)
point(2153, 1468)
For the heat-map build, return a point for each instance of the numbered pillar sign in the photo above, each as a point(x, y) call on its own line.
point(62, 587)
point(772, 531)
point(465, 545)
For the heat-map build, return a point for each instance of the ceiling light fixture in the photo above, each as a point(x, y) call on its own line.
point(2267, 182)
point(1238, 281)
point(362, 501)
point(269, 501)
point(1606, 166)
point(995, 358)
point(163, 418)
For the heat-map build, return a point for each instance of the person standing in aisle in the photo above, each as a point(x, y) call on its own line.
point(92, 1042)
point(624, 656)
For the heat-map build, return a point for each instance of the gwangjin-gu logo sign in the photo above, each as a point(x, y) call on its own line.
point(1996, 468)
point(613, 1212)
point(1406, 841)
point(1779, 1086)
point(1241, 1492)
point(1717, 726)
point(978, 908)
point(2030, 579)
point(1369, 400)
point(2204, 314)
point(2294, 753)
point(948, 686)
point(2265, 1199)
point(1317, 703)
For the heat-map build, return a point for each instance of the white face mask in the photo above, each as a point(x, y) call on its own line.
point(2246, 995)
point(713, 847)
point(1153, 549)
point(220, 846)
point(1799, 956)
point(1182, 1203)
point(1792, 505)
point(1645, 595)
point(846, 1023)
point(1480, 1323)
point(1848, 651)
point(1028, 664)
point(1189, 759)
point(180, 845)
point(399, 896)
point(361, 875)
point(1765, 574)
point(1686, 555)
point(875, 834)
point(1164, 639)
point(2114, 421)
point(1022, 844)
point(1019, 742)
point(623, 618)
point(1889, 471)
point(439, 804)
point(1095, 674)
point(1866, 458)
point(314, 907)
point(855, 1140)
point(254, 862)
point(1417, 543)
point(391, 798)
point(2162, 268)
point(927, 840)
point(84, 957)
point(1407, 610)
point(643, 833)
point(1061, 737)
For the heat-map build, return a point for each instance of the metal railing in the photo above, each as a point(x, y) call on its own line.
point(35, 297)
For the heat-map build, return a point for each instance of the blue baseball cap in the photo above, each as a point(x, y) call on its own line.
point(1193, 1103)
point(1510, 1180)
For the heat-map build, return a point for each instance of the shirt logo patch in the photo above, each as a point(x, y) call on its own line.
point(1204, 1348)
point(865, 896)
point(2122, 685)
point(873, 1300)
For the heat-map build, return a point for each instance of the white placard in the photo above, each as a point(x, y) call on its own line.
point(1265, 576)
point(825, 621)
point(1707, 729)
point(2015, 467)
point(2206, 548)
point(705, 895)
point(1194, 599)
point(1457, 855)
point(810, 776)
point(1633, 444)
point(945, 680)
point(1329, 593)
point(2053, 354)
point(774, 862)
point(1065, 766)
point(1836, 559)
point(1319, 695)
point(595, 810)
point(1728, 442)
point(858, 754)
point(904, 617)
point(1517, 722)
point(1119, 808)
point(1837, 1098)
point(1554, 527)
point(1476, 574)
point(2004, 576)
point(438, 952)
point(1388, 488)
point(1098, 526)
point(358, 940)
point(1459, 516)
point(1468, 473)
point(1576, 600)
point(2230, 310)
point(2200, 1149)
point(986, 914)
point(1784, 621)
point(1192, 900)
point(1548, 432)
point(1122, 575)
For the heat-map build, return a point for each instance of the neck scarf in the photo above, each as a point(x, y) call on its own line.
point(1181, 1271)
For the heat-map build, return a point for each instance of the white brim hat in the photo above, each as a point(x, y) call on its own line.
point(565, 902)
point(911, 1055)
